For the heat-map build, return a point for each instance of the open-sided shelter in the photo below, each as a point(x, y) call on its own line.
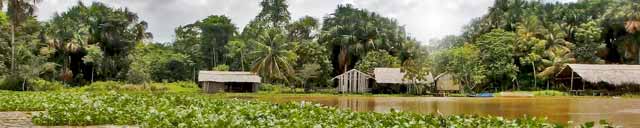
point(391, 80)
point(445, 83)
point(599, 76)
point(219, 81)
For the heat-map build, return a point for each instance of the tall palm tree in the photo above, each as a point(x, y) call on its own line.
point(19, 11)
point(555, 61)
point(274, 57)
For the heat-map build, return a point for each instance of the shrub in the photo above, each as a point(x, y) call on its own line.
point(550, 93)
point(103, 86)
point(10, 83)
point(271, 88)
point(44, 85)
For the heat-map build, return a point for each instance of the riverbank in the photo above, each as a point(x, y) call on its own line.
point(190, 110)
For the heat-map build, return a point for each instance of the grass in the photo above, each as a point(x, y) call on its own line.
point(196, 110)
point(532, 93)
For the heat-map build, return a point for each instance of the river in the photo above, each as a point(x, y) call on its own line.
point(563, 110)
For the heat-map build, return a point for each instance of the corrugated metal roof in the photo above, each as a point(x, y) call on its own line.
point(226, 76)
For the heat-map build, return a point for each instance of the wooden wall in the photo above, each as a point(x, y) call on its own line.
point(353, 82)
point(213, 87)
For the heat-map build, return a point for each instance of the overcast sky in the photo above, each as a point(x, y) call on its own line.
point(424, 19)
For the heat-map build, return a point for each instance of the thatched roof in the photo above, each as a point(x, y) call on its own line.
point(445, 82)
point(394, 76)
point(223, 76)
point(608, 73)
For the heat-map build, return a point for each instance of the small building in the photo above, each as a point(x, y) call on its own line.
point(445, 83)
point(225, 81)
point(353, 81)
point(599, 77)
point(391, 80)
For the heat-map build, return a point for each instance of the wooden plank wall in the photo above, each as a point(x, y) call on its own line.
point(353, 82)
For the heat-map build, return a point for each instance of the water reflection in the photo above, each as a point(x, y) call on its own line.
point(624, 112)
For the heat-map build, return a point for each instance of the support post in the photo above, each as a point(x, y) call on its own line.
point(571, 89)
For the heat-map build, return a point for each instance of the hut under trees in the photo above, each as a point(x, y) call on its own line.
point(446, 84)
point(225, 81)
point(353, 81)
point(391, 80)
point(599, 78)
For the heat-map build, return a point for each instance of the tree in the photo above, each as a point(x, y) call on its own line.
point(94, 56)
point(497, 54)
point(350, 33)
point(376, 59)
point(238, 51)
point(307, 76)
point(274, 59)
point(274, 14)
point(588, 43)
point(303, 30)
point(217, 31)
point(18, 11)
point(465, 64)
point(188, 42)
point(114, 31)
point(417, 69)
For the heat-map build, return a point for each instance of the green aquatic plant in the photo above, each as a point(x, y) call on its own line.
point(198, 110)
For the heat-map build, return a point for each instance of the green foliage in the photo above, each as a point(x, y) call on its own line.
point(102, 86)
point(496, 51)
point(217, 31)
point(351, 33)
point(44, 85)
point(105, 34)
point(271, 88)
point(588, 37)
point(550, 93)
point(464, 63)
point(159, 63)
point(222, 67)
point(238, 52)
point(189, 110)
point(274, 58)
point(375, 59)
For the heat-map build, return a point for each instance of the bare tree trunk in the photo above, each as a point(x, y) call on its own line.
point(92, 71)
point(242, 61)
point(535, 81)
point(13, 48)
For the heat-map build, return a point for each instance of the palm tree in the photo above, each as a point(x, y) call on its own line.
point(19, 11)
point(274, 57)
point(555, 61)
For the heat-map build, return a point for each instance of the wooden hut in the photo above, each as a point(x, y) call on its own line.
point(445, 83)
point(599, 77)
point(223, 81)
point(391, 80)
point(353, 81)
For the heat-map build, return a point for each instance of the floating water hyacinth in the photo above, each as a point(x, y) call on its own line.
point(188, 110)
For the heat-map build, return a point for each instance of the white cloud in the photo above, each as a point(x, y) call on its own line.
point(424, 19)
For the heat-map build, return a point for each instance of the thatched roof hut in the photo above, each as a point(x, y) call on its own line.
point(395, 76)
point(615, 75)
point(216, 81)
point(445, 82)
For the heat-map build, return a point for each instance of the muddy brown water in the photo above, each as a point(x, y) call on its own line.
point(563, 110)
